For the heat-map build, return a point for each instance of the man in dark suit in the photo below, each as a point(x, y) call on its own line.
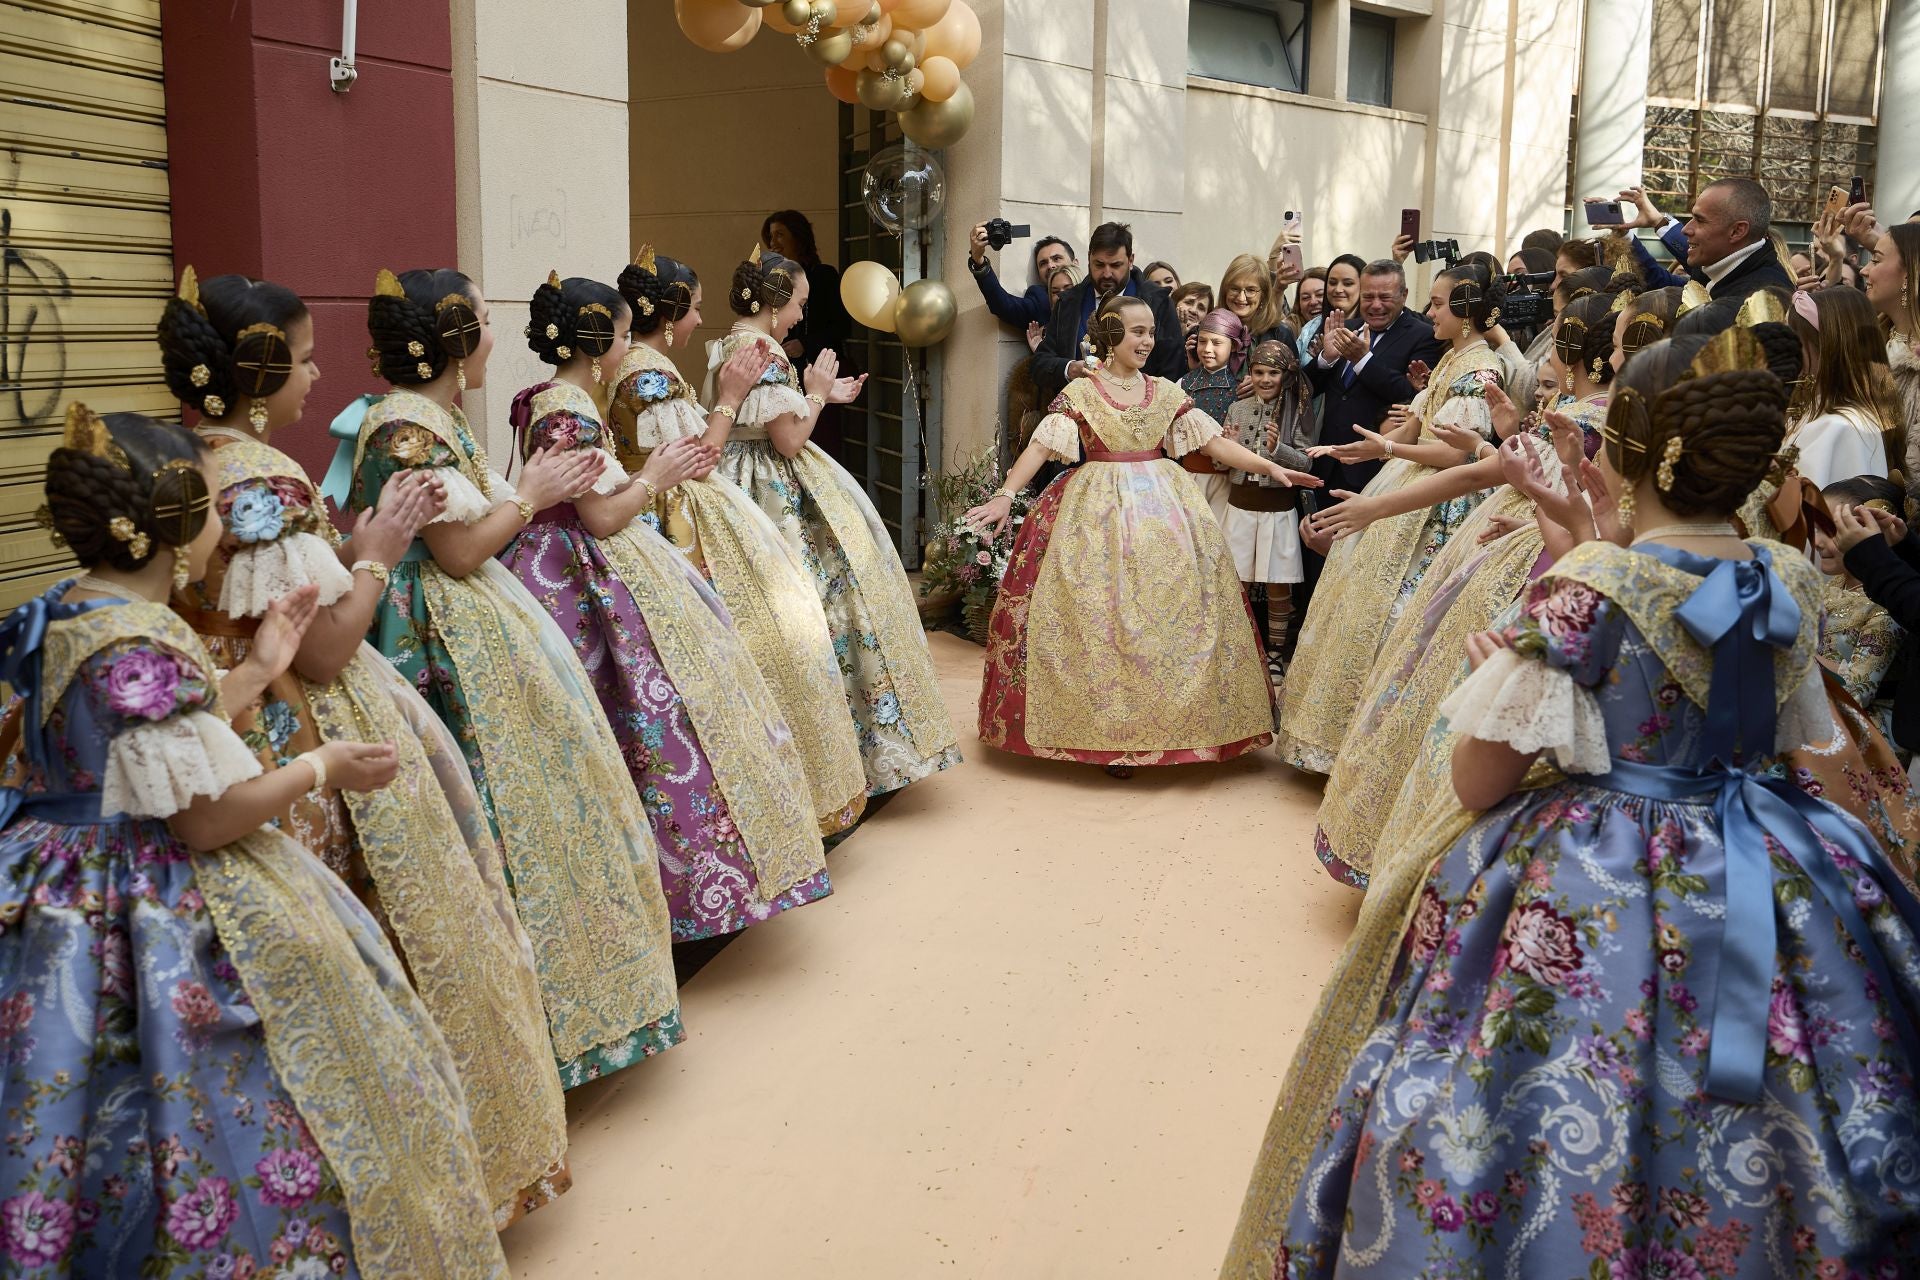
point(1724, 242)
point(1110, 270)
point(1362, 373)
point(1035, 306)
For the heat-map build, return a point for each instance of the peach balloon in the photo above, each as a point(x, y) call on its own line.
point(939, 78)
point(718, 26)
point(777, 20)
point(919, 13)
point(956, 36)
point(842, 84)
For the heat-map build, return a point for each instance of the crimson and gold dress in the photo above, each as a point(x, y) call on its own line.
point(1120, 636)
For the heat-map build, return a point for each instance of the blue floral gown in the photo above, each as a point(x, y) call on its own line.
point(187, 1040)
point(1619, 1031)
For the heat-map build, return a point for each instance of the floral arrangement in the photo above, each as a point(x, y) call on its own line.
point(961, 565)
point(651, 384)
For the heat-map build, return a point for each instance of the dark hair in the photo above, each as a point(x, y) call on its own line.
point(1584, 340)
point(1049, 240)
point(1476, 296)
point(1192, 289)
point(208, 364)
point(1650, 318)
point(1588, 280)
point(1539, 260)
point(575, 317)
point(799, 228)
point(1546, 238)
point(1159, 265)
point(1481, 258)
point(1354, 260)
point(1109, 236)
point(1748, 202)
point(430, 320)
point(129, 479)
point(1859, 491)
point(1786, 360)
point(1730, 426)
point(663, 295)
point(1386, 267)
point(767, 283)
point(1582, 253)
point(1107, 329)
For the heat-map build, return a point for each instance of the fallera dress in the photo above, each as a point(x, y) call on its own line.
point(1120, 635)
point(212, 1063)
point(715, 764)
point(579, 852)
point(824, 515)
point(418, 852)
point(759, 577)
point(1467, 587)
point(1654, 1019)
point(1368, 579)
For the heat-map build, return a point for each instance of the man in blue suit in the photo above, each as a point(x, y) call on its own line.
point(1031, 307)
point(1723, 243)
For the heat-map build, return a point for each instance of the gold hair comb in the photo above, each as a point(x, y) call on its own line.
point(190, 289)
point(646, 261)
point(1731, 349)
point(387, 285)
point(1763, 306)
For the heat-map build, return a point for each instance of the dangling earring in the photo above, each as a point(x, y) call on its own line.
point(669, 337)
point(595, 366)
point(182, 566)
point(257, 416)
point(460, 374)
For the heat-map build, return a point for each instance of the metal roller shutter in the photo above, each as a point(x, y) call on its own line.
point(86, 238)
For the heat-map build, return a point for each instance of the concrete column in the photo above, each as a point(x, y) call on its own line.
point(1896, 190)
point(540, 169)
point(1142, 160)
point(1613, 98)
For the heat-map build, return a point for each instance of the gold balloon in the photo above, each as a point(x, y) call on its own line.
point(925, 313)
point(776, 18)
point(940, 124)
point(824, 12)
point(797, 12)
point(898, 54)
point(831, 50)
point(939, 78)
point(718, 26)
point(868, 291)
point(880, 92)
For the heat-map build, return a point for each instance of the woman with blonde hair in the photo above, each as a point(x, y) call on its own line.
point(1846, 412)
point(1247, 290)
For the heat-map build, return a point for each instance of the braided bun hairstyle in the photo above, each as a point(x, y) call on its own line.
point(573, 317)
point(1578, 284)
point(1650, 318)
point(1584, 338)
point(118, 496)
point(1729, 426)
point(764, 285)
point(1108, 328)
point(1476, 296)
point(420, 322)
point(225, 338)
point(658, 297)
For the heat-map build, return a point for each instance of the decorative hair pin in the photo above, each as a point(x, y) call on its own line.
point(387, 285)
point(1763, 306)
point(1675, 450)
point(754, 257)
point(646, 261)
point(190, 290)
point(1731, 349)
point(553, 279)
point(1693, 296)
point(87, 433)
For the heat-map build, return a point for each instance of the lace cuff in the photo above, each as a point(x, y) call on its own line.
point(1467, 411)
point(1531, 706)
point(613, 477)
point(155, 770)
point(1059, 435)
point(669, 420)
point(1190, 430)
point(265, 571)
point(465, 503)
point(769, 401)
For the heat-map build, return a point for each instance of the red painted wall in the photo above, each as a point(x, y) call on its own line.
point(275, 176)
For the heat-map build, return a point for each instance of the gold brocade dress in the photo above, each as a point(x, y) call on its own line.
point(1368, 579)
point(418, 852)
point(752, 569)
point(826, 518)
point(1467, 588)
point(1120, 635)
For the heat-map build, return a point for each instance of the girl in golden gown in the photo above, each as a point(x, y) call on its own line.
point(1368, 579)
point(730, 540)
point(1479, 575)
point(418, 852)
point(1120, 636)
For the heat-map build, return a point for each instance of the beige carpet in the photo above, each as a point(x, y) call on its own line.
point(1035, 1032)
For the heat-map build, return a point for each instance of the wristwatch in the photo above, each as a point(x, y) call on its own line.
point(374, 567)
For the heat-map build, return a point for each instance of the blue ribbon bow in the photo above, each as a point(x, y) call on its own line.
point(1742, 613)
point(346, 429)
point(22, 636)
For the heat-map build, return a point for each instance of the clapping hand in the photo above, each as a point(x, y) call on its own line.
point(1505, 414)
point(741, 373)
point(408, 500)
point(277, 641)
point(1417, 373)
point(554, 475)
point(1606, 508)
point(684, 458)
point(1483, 645)
point(1569, 441)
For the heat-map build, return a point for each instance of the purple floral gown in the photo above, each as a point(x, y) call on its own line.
point(1624, 1033)
point(714, 761)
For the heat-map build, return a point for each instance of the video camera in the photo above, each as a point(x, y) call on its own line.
point(1528, 299)
point(1447, 251)
point(1001, 233)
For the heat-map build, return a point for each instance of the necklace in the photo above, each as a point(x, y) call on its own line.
point(1713, 529)
point(1121, 384)
point(88, 582)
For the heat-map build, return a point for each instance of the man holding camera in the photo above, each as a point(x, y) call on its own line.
point(1723, 243)
point(1110, 270)
point(1033, 306)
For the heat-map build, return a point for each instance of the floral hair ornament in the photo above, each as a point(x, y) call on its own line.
point(1675, 450)
point(86, 432)
point(1805, 307)
point(138, 544)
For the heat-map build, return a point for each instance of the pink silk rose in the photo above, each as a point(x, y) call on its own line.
point(143, 683)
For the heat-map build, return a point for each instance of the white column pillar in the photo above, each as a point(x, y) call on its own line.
point(1613, 97)
point(1896, 191)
